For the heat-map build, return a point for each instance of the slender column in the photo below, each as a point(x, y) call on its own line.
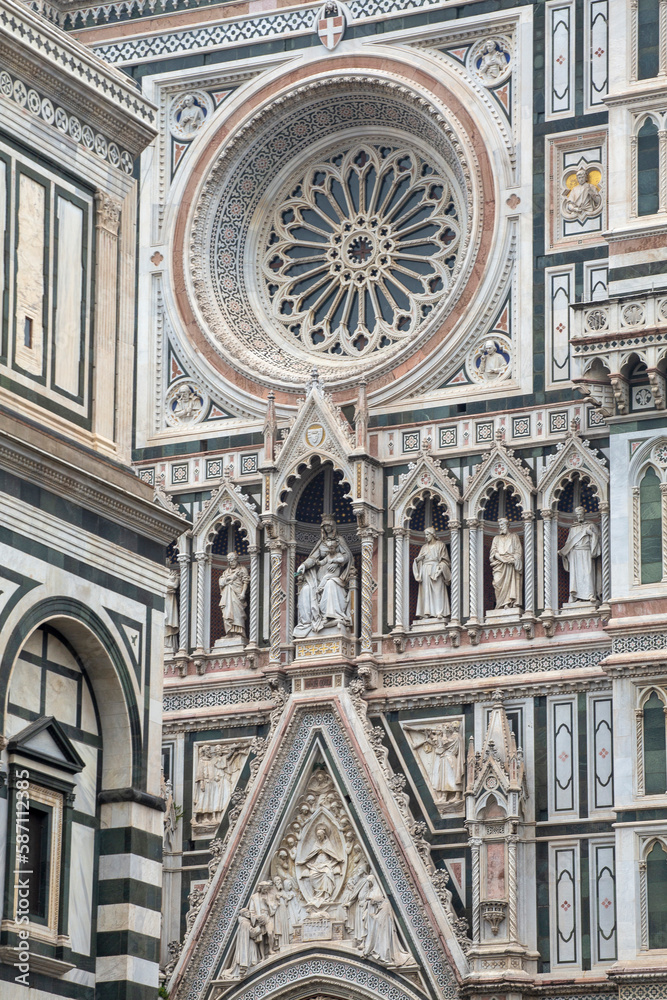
point(475, 846)
point(512, 921)
point(529, 557)
point(547, 548)
point(662, 168)
point(367, 543)
point(291, 567)
point(639, 746)
point(662, 39)
point(276, 551)
point(253, 627)
point(184, 603)
point(203, 561)
point(633, 173)
point(606, 552)
point(455, 558)
point(473, 525)
point(107, 221)
point(643, 905)
point(663, 510)
point(636, 541)
point(399, 553)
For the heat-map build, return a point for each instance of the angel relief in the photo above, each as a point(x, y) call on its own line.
point(440, 752)
point(320, 887)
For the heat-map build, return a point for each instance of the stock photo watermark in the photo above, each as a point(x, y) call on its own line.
point(22, 877)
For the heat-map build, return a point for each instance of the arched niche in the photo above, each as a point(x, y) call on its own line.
point(501, 502)
point(576, 490)
point(227, 536)
point(427, 509)
point(322, 491)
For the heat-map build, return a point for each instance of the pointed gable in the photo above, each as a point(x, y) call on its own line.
point(499, 468)
point(425, 477)
point(45, 742)
point(228, 501)
point(572, 456)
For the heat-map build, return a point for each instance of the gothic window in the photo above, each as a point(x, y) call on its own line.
point(655, 750)
point(656, 878)
point(648, 38)
point(650, 527)
point(648, 168)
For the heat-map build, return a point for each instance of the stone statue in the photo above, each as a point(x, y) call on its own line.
point(441, 752)
point(432, 571)
point(187, 404)
point(261, 917)
point(233, 589)
point(278, 904)
point(323, 585)
point(322, 865)
point(382, 942)
point(218, 767)
point(171, 615)
point(170, 816)
point(356, 901)
point(584, 200)
point(492, 63)
point(492, 363)
point(506, 560)
point(579, 554)
point(247, 951)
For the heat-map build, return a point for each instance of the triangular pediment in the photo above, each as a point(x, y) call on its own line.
point(317, 821)
point(426, 475)
point(319, 429)
point(573, 455)
point(45, 742)
point(500, 468)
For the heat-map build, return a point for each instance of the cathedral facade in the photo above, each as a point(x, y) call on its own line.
point(333, 469)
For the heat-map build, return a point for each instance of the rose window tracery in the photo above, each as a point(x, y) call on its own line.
point(361, 249)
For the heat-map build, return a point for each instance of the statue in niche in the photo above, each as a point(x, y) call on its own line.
point(329, 894)
point(583, 200)
point(233, 589)
point(171, 615)
point(187, 404)
point(323, 585)
point(191, 116)
point(433, 573)
point(579, 553)
point(170, 815)
point(217, 771)
point(440, 751)
point(506, 558)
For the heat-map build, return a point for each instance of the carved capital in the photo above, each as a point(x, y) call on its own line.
point(547, 514)
point(527, 515)
point(183, 557)
point(202, 557)
point(108, 213)
point(400, 532)
point(472, 522)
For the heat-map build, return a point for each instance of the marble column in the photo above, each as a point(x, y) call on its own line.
point(399, 564)
point(606, 552)
point(548, 559)
point(203, 562)
point(184, 603)
point(367, 542)
point(455, 560)
point(529, 562)
point(253, 623)
point(276, 553)
point(473, 526)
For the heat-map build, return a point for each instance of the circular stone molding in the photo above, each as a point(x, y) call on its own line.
point(338, 228)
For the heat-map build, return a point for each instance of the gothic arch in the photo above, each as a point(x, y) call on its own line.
point(499, 468)
point(108, 674)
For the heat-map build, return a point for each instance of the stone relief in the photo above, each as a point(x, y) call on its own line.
point(440, 752)
point(579, 554)
point(186, 403)
point(217, 767)
point(581, 197)
point(171, 815)
point(320, 887)
point(506, 559)
point(491, 60)
point(491, 360)
point(323, 604)
point(188, 112)
point(233, 582)
point(432, 571)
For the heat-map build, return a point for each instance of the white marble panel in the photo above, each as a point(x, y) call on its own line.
point(130, 866)
point(26, 685)
point(81, 887)
point(61, 697)
point(68, 296)
point(127, 916)
point(86, 780)
point(113, 968)
point(57, 652)
point(88, 719)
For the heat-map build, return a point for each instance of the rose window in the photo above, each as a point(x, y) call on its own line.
point(360, 250)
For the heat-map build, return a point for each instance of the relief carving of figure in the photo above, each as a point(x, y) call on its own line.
point(171, 619)
point(356, 900)
point(323, 584)
point(441, 752)
point(432, 571)
point(579, 553)
point(322, 865)
point(583, 201)
point(170, 815)
point(217, 771)
point(247, 951)
point(233, 589)
point(492, 363)
point(261, 917)
point(191, 116)
point(492, 63)
point(506, 560)
point(187, 404)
